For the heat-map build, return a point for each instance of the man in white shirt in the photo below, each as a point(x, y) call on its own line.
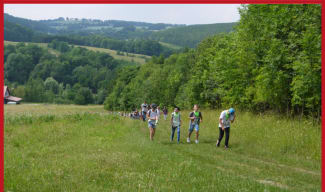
point(144, 110)
point(225, 118)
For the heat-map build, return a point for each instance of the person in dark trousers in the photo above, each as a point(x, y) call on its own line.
point(176, 123)
point(144, 110)
point(225, 118)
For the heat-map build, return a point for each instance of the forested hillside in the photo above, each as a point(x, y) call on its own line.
point(181, 35)
point(272, 61)
point(112, 28)
point(18, 33)
point(76, 75)
point(190, 36)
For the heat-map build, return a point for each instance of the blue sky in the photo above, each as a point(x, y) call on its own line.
point(153, 13)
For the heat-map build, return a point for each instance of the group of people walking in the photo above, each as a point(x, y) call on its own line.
point(151, 113)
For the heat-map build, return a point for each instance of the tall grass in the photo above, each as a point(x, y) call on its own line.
point(97, 151)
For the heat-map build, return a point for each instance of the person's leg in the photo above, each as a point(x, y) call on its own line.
point(178, 133)
point(197, 132)
point(173, 132)
point(227, 130)
point(151, 136)
point(221, 132)
point(153, 132)
point(190, 130)
point(144, 116)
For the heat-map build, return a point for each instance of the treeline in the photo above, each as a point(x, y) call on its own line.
point(145, 47)
point(272, 61)
point(18, 33)
point(76, 75)
point(88, 26)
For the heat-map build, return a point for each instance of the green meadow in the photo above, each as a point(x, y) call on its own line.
point(85, 148)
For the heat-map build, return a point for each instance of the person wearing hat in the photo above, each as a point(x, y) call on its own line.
point(226, 117)
point(152, 120)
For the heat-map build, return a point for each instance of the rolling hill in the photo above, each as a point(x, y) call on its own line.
point(138, 58)
point(190, 36)
point(174, 35)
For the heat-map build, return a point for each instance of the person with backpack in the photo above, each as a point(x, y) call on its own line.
point(165, 111)
point(195, 120)
point(144, 110)
point(176, 124)
point(225, 118)
point(152, 120)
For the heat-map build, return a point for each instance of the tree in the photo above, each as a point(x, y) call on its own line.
point(51, 84)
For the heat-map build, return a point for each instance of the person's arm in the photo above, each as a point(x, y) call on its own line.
point(222, 126)
point(233, 118)
point(201, 119)
point(171, 120)
point(191, 116)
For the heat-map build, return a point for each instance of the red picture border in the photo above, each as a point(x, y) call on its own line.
point(150, 2)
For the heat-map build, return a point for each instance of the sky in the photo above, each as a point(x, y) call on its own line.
point(152, 13)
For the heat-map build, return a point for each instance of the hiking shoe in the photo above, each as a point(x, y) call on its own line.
point(226, 147)
point(218, 143)
point(188, 140)
point(196, 141)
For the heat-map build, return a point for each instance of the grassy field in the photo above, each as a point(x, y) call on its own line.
point(138, 58)
point(130, 57)
point(172, 46)
point(84, 148)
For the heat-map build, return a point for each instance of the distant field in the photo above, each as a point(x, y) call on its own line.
point(170, 45)
point(141, 59)
point(130, 57)
point(84, 148)
point(44, 45)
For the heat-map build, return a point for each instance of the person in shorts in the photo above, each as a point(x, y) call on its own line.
point(195, 120)
point(152, 120)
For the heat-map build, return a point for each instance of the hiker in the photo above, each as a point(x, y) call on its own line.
point(165, 111)
point(136, 114)
point(176, 124)
point(144, 110)
point(152, 120)
point(195, 120)
point(225, 118)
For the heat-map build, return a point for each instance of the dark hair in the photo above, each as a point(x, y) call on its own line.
point(177, 108)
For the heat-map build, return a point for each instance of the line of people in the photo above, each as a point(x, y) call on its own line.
point(152, 113)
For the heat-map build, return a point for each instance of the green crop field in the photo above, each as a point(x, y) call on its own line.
point(138, 58)
point(85, 148)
